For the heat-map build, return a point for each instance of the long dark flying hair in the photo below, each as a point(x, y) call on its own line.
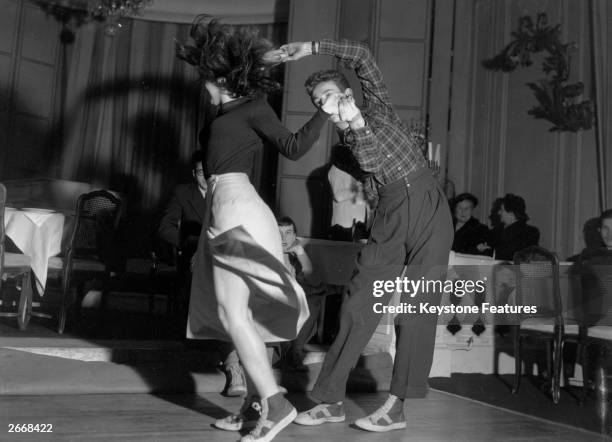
point(235, 55)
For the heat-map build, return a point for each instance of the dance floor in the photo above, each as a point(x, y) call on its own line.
point(134, 417)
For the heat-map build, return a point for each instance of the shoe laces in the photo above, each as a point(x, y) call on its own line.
point(313, 412)
point(386, 407)
point(235, 373)
point(250, 402)
point(262, 421)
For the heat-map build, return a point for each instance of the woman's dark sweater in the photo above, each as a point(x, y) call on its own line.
point(239, 130)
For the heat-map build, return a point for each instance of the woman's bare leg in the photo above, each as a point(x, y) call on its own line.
point(233, 298)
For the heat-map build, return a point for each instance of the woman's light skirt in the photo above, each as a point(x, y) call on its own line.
point(240, 251)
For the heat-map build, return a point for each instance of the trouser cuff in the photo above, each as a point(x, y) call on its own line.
point(410, 392)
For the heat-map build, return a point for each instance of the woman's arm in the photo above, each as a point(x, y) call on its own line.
point(292, 145)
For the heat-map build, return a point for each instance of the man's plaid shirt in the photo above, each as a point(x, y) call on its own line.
point(383, 146)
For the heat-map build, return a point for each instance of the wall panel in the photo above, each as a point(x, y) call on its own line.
point(9, 20)
point(402, 64)
point(40, 36)
point(35, 86)
point(403, 19)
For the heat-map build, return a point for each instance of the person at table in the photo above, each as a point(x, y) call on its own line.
point(469, 232)
point(412, 227)
point(514, 234)
point(241, 290)
point(605, 228)
point(594, 267)
point(181, 224)
point(298, 261)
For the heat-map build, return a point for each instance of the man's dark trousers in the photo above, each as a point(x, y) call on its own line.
point(412, 225)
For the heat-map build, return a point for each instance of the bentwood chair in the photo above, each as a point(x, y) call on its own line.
point(16, 267)
point(90, 246)
point(595, 331)
point(537, 284)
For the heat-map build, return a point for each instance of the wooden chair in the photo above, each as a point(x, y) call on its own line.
point(595, 331)
point(15, 266)
point(90, 246)
point(537, 283)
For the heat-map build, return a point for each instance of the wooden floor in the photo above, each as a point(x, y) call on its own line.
point(134, 417)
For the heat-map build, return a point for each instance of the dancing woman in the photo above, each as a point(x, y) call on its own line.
point(241, 290)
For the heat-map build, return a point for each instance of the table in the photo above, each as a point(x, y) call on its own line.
point(478, 267)
point(38, 234)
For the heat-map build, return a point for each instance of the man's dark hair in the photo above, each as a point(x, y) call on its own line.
point(197, 157)
point(465, 197)
point(286, 221)
point(515, 204)
point(606, 214)
point(328, 75)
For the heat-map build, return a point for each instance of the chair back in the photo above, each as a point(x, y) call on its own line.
point(2, 232)
point(596, 282)
point(97, 218)
point(537, 282)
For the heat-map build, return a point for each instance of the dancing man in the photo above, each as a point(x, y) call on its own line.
point(412, 225)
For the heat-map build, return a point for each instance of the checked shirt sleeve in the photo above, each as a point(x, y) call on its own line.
point(358, 57)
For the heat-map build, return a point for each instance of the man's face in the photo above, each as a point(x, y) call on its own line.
point(606, 232)
point(463, 211)
point(288, 236)
point(325, 96)
point(198, 174)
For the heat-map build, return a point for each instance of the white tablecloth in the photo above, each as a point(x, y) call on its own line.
point(38, 235)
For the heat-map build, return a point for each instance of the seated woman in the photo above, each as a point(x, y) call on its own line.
point(469, 232)
point(515, 234)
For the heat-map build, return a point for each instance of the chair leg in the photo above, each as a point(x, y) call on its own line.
point(153, 284)
point(557, 363)
point(63, 305)
point(583, 346)
point(25, 302)
point(517, 359)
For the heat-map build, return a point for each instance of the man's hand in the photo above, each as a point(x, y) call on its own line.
point(330, 105)
point(482, 247)
point(347, 109)
point(296, 248)
point(349, 112)
point(296, 50)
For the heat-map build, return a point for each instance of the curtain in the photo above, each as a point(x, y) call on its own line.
point(601, 14)
point(132, 110)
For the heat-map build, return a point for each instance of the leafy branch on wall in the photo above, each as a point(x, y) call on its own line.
point(558, 100)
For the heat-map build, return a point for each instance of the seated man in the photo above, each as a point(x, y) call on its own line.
point(469, 232)
point(594, 267)
point(181, 224)
point(180, 227)
point(605, 228)
point(299, 263)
